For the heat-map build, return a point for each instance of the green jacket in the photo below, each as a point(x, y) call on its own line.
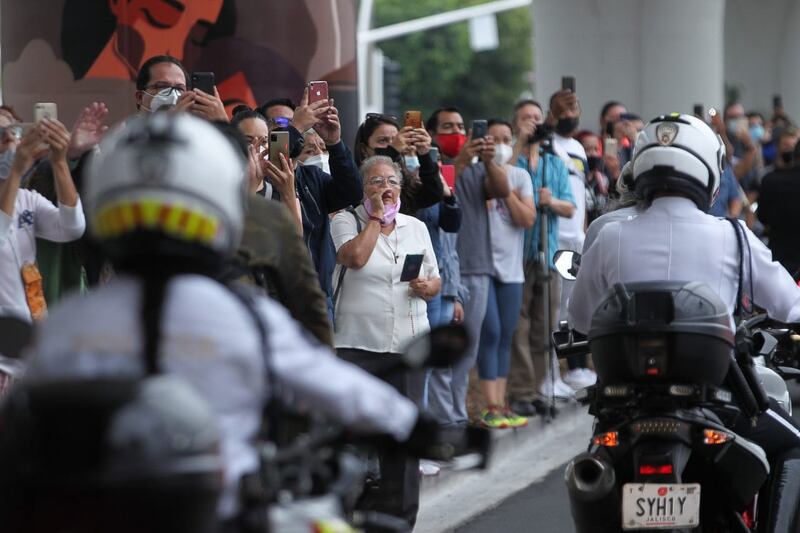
point(277, 260)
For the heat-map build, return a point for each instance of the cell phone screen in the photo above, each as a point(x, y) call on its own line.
point(411, 267)
point(568, 83)
point(479, 129)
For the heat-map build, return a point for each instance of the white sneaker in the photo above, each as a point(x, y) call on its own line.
point(590, 375)
point(428, 467)
point(562, 390)
point(580, 378)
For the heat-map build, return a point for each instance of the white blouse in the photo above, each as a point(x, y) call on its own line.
point(376, 311)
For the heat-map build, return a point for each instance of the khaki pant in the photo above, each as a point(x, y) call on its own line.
point(528, 364)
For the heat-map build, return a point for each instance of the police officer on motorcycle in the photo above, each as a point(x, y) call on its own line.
point(677, 164)
point(165, 198)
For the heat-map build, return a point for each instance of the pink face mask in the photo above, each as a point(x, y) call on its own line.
point(389, 211)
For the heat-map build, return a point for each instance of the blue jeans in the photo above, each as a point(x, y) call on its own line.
point(502, 314)
point(440, 312)
point(447, 387)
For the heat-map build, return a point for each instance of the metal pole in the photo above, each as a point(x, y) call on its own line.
point(544, 262)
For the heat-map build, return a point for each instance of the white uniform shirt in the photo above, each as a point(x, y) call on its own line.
point(376, 311)
point(673, 240)
point(572, 153)
point(210, 338)
point(34, 216)
point(623, 213)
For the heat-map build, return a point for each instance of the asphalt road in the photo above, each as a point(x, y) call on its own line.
point(544, 506)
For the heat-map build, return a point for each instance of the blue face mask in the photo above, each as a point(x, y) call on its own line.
point(757, 132)
point(412, 162)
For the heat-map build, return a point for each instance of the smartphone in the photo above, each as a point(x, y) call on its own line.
point(413, 119)
point(317, 90)
point(43, 110)
point(203, 81)
point(449, 175)
point(278, 144)
point(434, 152)
point(699, 112)
point(411, 267)
point(610, 146)
point(777, 101)
point(568, 83)
point(479, 129)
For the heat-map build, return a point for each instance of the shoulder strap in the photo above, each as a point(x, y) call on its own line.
point(743, 301)
point(247, 295)
point(343, 268)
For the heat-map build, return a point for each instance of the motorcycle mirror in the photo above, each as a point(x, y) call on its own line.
point(15, 336)
point(567, 263)
point(443, 346)
point(768, 343)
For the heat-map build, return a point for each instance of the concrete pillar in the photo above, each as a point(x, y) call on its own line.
point(655, 56)
point(761, 51)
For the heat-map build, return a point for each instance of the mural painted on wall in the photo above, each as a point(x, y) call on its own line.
point(73, 52)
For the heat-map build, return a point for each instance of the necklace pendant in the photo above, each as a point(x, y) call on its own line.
point(396, 257)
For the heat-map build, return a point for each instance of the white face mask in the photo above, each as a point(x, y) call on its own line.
point(168, 97)
point(320, 161)
point(412, 162)
point(502, 153)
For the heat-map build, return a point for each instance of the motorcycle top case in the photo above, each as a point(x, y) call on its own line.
point(664, 331)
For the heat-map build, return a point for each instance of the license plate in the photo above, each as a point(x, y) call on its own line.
point(660, 505)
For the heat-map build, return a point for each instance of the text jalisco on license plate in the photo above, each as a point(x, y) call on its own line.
point(660, 505)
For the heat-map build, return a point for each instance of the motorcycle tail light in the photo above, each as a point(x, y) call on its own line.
point(714, 436)
point(609, 439)
point(655, 470)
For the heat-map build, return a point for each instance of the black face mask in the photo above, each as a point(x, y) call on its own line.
point(787, 158)
point(389, 152)
point(595, 163)
point(566, 125)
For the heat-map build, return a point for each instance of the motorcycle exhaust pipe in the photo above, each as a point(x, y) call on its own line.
point(593, 495)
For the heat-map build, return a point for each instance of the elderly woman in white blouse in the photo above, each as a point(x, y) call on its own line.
point(376, 314)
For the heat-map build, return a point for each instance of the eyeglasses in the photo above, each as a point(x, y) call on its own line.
point(15, 130)
point(166, 88)
point(278, 122)
point(392, 181)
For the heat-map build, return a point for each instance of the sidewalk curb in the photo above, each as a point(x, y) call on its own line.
point(520, 458)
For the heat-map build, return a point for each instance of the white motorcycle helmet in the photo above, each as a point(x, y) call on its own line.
point(681, 153)
point(166, 186)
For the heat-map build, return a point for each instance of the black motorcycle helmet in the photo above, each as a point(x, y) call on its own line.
point(103, 455)
point(674, 331)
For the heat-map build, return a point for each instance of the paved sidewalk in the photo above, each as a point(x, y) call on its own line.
point(520, 457)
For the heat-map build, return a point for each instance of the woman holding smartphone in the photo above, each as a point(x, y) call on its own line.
point(410, 148)
point(376, 313)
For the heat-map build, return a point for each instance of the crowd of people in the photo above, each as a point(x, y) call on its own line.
point(370, 248)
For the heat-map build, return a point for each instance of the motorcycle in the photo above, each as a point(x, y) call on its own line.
point(315, 482)
point(665, 453)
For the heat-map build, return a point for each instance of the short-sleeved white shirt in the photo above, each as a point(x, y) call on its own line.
point(375, 310)
point(508, 239)
point(34, 216)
